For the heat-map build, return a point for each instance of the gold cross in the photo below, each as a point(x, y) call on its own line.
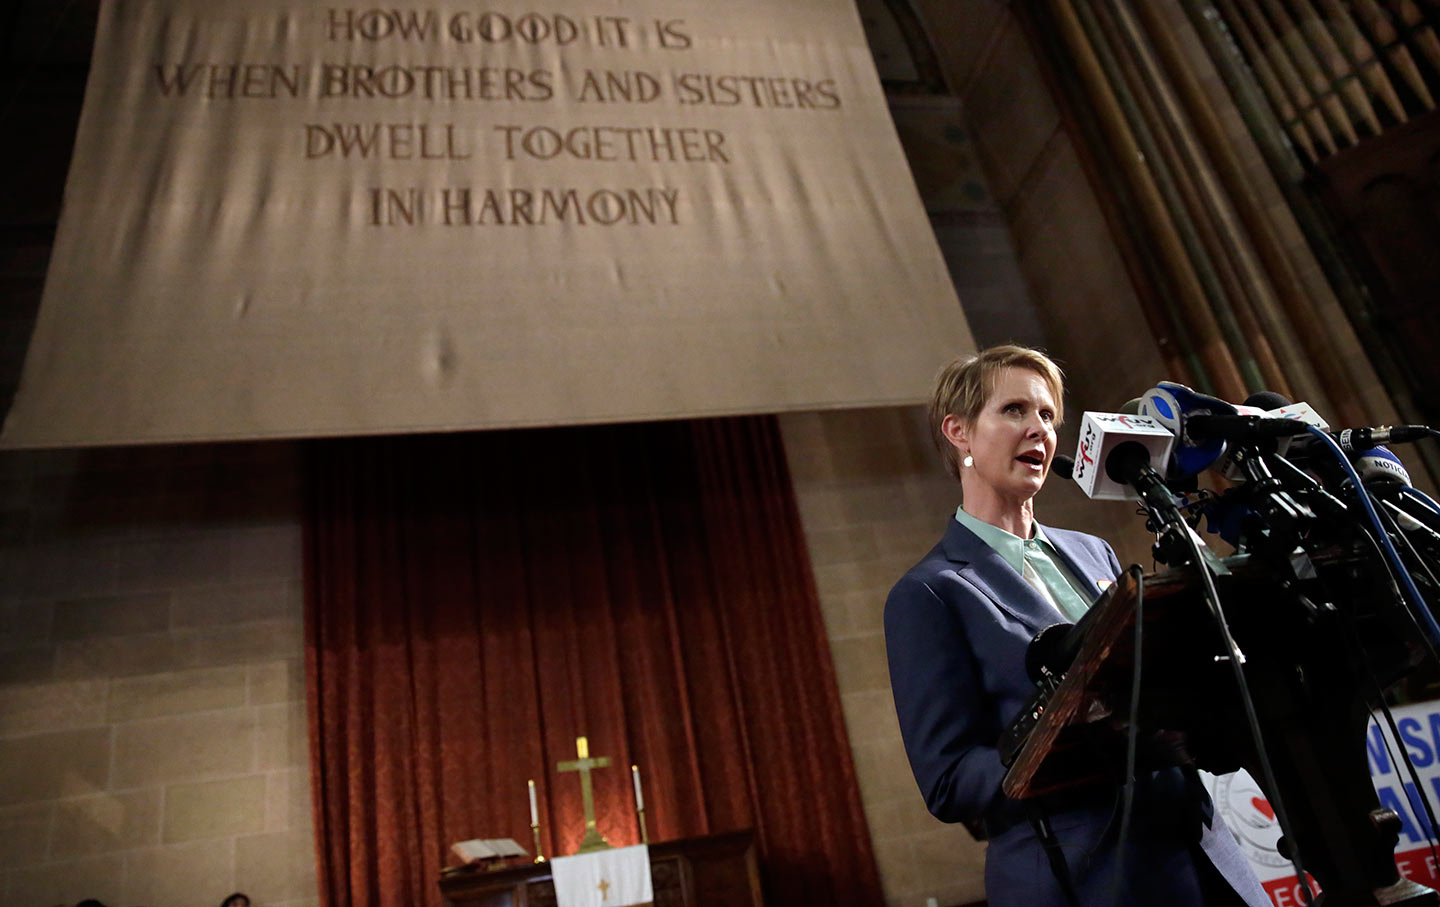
point(593, 840)
point(604, 887)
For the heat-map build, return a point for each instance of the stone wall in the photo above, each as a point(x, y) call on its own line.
point(152, 696)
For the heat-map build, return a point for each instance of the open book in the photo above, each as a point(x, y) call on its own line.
point(482, 849)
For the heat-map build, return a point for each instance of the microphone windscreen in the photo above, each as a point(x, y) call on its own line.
point(1131, 407)
point(1049, 650)
point(1063, 466)
point(1378, 464)
point(1267, 400)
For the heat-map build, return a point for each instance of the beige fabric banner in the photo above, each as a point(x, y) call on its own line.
point(288, 219)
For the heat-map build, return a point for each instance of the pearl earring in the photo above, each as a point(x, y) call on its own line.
point(968, 461)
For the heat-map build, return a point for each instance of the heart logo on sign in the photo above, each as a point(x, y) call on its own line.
point(1263, 807)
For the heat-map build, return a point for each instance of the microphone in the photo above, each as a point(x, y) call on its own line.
point(1175, 406)
point(1355, 440)
point(1351, 440)
point(1380, 465)
point(1241, 428)
point(1267, 400)
point(1129, 463)
point(1385, 477)
point(1063, 465)
point(1100, 435)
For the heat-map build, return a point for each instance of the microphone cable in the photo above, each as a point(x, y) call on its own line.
point(1399, 595)
point(1393, 526)
point(1364, 660)
point(1127, 798)
point(1237, 667)
point(1419, 497)
point(1393, 557)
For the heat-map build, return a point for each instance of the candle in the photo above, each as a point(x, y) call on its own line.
point(639, 797)
point(534, 813)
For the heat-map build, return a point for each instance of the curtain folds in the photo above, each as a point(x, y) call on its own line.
point(475, 602)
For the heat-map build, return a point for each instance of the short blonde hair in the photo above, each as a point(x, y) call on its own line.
point(964, 386)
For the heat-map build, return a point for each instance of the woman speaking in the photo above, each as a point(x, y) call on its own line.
point(956, 629)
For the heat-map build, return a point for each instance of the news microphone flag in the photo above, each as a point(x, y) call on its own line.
point(1101, 433)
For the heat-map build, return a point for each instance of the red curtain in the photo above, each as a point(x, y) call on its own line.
point(475, 602)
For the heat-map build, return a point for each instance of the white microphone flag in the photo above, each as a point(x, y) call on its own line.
point(1100, 433)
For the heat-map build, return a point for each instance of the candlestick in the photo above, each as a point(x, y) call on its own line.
point(534, 813)
point(539, 857)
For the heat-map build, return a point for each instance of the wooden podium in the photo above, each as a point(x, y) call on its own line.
point(1320, 641)
point(710, 871)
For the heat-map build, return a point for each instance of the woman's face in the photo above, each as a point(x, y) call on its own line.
point(1013, 438)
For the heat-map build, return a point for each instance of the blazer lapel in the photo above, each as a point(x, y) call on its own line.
point(978, 563)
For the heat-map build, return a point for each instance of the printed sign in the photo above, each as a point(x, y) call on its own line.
point(289, 218)
point(1252, 819)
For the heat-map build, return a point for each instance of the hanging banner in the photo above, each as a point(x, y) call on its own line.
point(1252, 819)
point(288, 219)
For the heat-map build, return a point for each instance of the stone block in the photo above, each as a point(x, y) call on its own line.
point(277, 681)
point(870, 458)
point(69, 882)
point(845, 428)
point(883, 770)
point(106, 823)
point(870, 716)
point(111, 615)
point(853, 614)
point(268, 552)
point(172, 563)
point(287, 801)
point(860, 664)
point(900, 816)
point(127, 656)
point(181, 748)
point(842, 545)
point(895, 859)
point(821, 507)
point(182, 875)
point(25, 832)
point(31, 664)
point(176, 693)
point(225, 807)
point(835, 580)
point(284, 736)
point(232, 603)
point(25, 622)
point(242, 643)
point(64, 568)
point(276, 867)
point(875, 501)
point(32, 708)
point(43, 767)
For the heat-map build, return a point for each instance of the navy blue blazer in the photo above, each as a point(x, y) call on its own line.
point(957, 625)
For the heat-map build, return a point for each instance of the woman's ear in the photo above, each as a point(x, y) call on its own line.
point(955, 432)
